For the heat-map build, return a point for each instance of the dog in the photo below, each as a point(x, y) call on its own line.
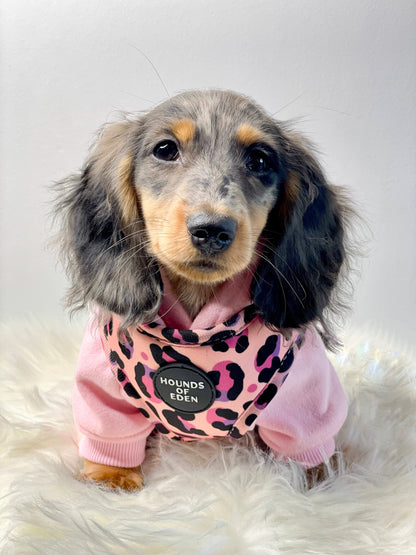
point(209, 245)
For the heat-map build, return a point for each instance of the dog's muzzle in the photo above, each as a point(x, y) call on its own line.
point(211, 234)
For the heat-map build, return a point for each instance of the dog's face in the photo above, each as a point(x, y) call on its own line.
point(207, 173)
point(203, 185)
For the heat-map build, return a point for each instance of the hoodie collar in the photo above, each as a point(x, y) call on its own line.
point(230, 298)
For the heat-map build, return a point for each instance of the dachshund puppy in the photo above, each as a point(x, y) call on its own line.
point(207, 242)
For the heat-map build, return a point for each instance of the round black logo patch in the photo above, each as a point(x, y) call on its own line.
point(184, 387)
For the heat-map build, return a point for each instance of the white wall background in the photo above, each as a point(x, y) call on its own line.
point(345, 69)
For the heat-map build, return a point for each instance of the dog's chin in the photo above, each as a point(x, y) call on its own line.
point(204, 271)
point(201, 271)
point(205, 266)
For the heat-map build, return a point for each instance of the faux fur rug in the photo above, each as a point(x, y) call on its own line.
point(204, 498)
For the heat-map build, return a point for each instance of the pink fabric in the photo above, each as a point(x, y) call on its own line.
point(231, 297)
point(249, 365)
point(112, 431)
point(299, 423)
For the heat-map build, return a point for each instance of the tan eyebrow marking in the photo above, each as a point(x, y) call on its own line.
point(247, 134)
point(184, 130)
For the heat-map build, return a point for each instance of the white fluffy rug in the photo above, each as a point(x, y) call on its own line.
point(206, 498)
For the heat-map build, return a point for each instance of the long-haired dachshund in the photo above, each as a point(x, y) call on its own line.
point(208, 243)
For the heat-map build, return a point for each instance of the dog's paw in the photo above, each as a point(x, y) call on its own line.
point(113, 477)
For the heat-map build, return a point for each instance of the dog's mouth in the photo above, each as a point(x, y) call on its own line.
point(201, 270)
point(204, 266)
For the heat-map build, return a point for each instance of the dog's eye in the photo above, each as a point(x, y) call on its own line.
point(258, 161)
point(166, 150)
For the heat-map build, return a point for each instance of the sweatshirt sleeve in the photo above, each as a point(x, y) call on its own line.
point(301, 421)
point(111, 430)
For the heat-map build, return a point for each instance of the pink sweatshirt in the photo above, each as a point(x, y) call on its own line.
point(220, 375)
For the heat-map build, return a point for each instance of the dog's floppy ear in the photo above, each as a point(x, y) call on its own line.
point(303, 245)
point(103, 236)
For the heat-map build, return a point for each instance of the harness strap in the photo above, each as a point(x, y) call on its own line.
point(246, 421)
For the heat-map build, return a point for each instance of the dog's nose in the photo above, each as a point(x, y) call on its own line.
point(210, 234)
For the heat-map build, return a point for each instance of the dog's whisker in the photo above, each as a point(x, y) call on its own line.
point(153, 67)
point(144, 240)
point(125, 238)
point(138, 248)
point(288, 104)
point(261, 254)
point(134, 223)
point(126, 259)
point(177, 301)
point(280, 273)
point(253, 274)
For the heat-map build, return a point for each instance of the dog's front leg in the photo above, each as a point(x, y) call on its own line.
point(323, 471)
point(113, 477)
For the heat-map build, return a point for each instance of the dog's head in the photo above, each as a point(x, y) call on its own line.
point(201, 186)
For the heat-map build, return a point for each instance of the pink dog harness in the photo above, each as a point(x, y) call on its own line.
point(218, 375)
point(207, 383)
